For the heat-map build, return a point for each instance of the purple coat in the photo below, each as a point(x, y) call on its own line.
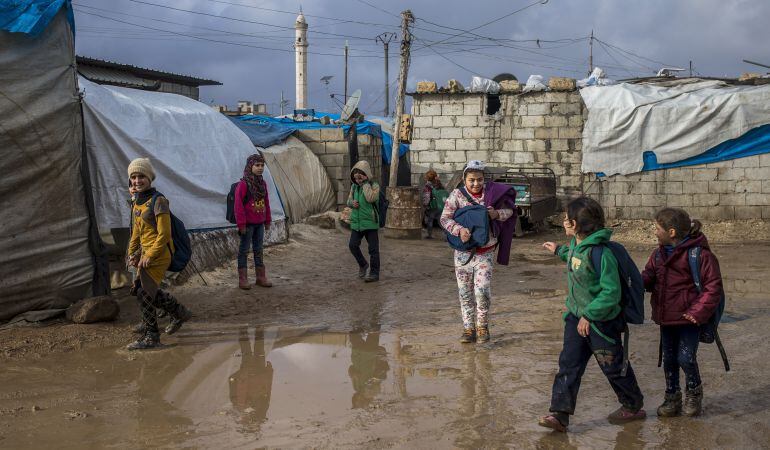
point(502, 196)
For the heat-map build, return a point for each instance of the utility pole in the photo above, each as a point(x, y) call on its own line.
point(591, 53)
point(406, 43)
point(690, 68)
point(385, 38)
point(346, 72)
point(281, 102)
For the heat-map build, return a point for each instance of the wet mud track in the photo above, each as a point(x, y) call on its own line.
point(323, 360)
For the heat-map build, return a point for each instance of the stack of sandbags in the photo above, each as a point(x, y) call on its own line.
point(427, 87)
point(510, 87)
point(561, 84)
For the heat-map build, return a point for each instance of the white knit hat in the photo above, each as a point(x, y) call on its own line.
point(474, 165)
point(143, 166)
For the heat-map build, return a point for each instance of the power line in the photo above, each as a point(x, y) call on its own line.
point(379, 9)
point(446, 58)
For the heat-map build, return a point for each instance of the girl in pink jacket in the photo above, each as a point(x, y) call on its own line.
point(252, 215)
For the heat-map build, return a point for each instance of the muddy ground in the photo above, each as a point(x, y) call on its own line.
point(324, 360)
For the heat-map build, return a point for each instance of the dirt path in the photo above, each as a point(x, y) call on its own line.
point(324, 360)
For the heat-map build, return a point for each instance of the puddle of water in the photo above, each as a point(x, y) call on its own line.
point(531, 273)
point(546, 260)
point(540, 293)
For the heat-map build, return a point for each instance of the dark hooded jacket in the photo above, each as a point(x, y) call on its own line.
point(673, 289)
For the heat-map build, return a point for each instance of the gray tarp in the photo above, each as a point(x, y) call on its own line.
point(44, 248)
point(676, 120)
point(301, 179)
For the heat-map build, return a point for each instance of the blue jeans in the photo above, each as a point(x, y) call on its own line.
point(255, 234)
point(680, 350)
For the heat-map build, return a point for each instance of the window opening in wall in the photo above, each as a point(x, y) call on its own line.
point(493, 104)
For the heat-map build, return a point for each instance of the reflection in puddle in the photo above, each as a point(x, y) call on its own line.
point(541, 293)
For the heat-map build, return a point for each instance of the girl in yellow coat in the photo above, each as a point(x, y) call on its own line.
point(150, 251)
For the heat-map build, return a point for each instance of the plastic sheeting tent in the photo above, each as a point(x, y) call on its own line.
point(47, 242)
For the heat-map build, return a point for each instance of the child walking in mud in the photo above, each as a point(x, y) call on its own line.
point(433, 198)
point(150, 250)
point(252, 215)
point(364, 220)
point(593, 322)
point(473, 268)
point(678, 307)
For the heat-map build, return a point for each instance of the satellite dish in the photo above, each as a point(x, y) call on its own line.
point(351, 106)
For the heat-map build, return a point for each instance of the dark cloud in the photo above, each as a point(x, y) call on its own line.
point(634, 38)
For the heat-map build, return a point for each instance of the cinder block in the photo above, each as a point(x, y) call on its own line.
point(695, 187)
point(546, 133)
point(570, 133)
point(766, 212)
point(466, 144)
point(721, 187)
point(430, 109)
point(472, 110)
point(535, 145)
point(545, 158)
point(618, 187)
point(628, 200)
point(567, 108)
point(679, 174)
point(764, 160)
point(532, 121)
point(670, 187)
point(364, 139)
point(523, 158)
point(748, 212)
point(559, 145)
point(473, 100)
point(758, 173)
point(538, 109)
point(489, 144)
point(644, 187)
point(336, 172)
point(332, 134)
point(451, 133)
point(429, 156)
point(473, 132)
point(749, 161)
point(456, 156)
point(308, 135)
point(705, 174)
point(501, 157)
point(576, 121)
point(480, 155)
point(523, 133)
point(337, 147)
point(444, 144)
point(319, 148)
point(766, 186)
point(421, 144)
point(467, 121)
point(517, 146)
point(730, 174)
point(679, 201)
point(444, 121)
point(452, 109)
point(720, 212)
point(428, 133)
point(556, 121)
point(705, 199)
point(332, 160)
point(750, 186)
point(555, 97)
point(757, 199)
point(422, 121)
point(521, 109)
point(658, 200)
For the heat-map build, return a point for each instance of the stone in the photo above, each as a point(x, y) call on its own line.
point(325, 220)
point(561, 84)
point(510, 87)
point(427, 87)
point(94, 309)
point(455, 87)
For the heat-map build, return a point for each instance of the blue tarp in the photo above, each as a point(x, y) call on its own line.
point(262, 133)
point(32, 16)
point(754, 142)
point(270, 128)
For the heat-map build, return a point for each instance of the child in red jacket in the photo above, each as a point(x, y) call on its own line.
point(252, 215)
point(678, 307)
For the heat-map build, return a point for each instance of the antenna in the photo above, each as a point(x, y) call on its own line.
point(351, 106)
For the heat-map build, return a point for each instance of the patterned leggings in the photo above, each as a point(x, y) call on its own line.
point(147, 304)
point(474, 284)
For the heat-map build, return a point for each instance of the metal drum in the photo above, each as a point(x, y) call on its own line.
point(404, 219)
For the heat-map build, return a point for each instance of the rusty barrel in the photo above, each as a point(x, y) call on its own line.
point(404, 219)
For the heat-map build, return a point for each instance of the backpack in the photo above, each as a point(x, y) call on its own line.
point(230, 214)
point(182, 248)
point(438, 198)
point(475, 218)
point(631, 289)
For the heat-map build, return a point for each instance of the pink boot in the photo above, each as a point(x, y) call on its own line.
point(262, 277)
point(243, 279)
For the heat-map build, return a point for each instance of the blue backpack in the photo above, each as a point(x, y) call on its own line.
point(631, 289)
point(182, 248)
point(475, 218)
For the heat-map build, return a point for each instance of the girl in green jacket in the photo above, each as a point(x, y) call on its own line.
point(364, 220)
point(592, 323)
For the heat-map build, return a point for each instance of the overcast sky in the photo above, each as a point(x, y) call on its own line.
point(633, 38)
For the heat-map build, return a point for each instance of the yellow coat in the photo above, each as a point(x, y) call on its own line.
point(151, 233)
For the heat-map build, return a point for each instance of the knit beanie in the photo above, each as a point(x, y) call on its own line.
point(474, 165)
point(143, 166)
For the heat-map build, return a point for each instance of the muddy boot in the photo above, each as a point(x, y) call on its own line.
point(469, 336)
point(623, 414)
point(262, 277)
point(556, 421)
point(372, 277)
point(180, 316)
point(483, 334)
point(243, 279)
point(148, 341)
point(672, 405)
point(362, 271)
point(693, 400)
point(140, 328)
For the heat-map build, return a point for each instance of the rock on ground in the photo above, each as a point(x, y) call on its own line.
point(94, 309)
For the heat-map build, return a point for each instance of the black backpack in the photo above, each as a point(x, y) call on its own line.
point(182, 248)
point(230, 214)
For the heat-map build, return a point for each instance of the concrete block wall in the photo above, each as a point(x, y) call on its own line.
point(545, 129)
point(331, 147)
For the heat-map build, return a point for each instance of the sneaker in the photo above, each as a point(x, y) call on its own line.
point(362, 272)
point(148, 341)
point(623, 414)
point(468, 336)
point(140, 328)
point(182, 315)
point(483, 335)
point(693, 402)
point(672, 405)
point(553, 422)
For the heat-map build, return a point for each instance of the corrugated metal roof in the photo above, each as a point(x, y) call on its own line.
point(115, 77)
point(142, 72)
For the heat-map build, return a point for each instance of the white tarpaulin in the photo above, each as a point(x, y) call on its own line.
point(675, 120)
point(197, 154)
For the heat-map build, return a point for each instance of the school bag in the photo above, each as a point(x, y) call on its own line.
point(631, 289)
point(475, 218)
point(437, 198)
point(182, 252)
point(230, 214)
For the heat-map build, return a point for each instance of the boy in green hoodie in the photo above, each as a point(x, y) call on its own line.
point(593, 322)
point(364, 220)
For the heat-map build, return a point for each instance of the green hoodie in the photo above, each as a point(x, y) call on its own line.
point(597, 298)
point(366, 216)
